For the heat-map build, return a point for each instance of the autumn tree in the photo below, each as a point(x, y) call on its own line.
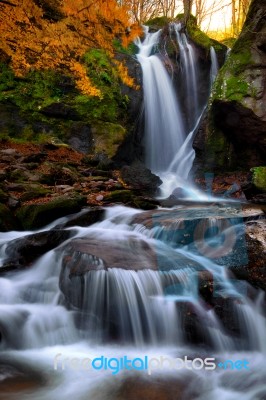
point(46, 34)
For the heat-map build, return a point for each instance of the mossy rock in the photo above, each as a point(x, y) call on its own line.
point(121, 196)
point(219, 150)
point(158, 22)
point(192, 19)
point(35, 216)
point(7, 220)
point(108, 137)
point(232, 83)
point(17, 175)
point(145, 203)
point(259, 178)
point(34, 193)
point(198, 36)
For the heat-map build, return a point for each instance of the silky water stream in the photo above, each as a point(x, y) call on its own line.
point(138, 296)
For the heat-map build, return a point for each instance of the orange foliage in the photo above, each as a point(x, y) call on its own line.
point(32, 40)
point(123, 73)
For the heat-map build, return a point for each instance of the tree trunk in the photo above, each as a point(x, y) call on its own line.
point(234, 27)
point(187, 10)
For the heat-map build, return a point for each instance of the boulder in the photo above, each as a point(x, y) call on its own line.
point(254, 271)
point(100, 252)
point(138, 177)
point(23, 251)
point(34, 216)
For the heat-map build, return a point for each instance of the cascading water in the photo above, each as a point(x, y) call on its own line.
point(214, 65)
point(144, 304)
point(169, 138)
point(189, 74)
point(164, 131)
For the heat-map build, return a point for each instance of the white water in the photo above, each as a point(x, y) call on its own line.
point(149, 309)
point(214, 65)
point(164, 131)
point(168, 136)
point(189, 73)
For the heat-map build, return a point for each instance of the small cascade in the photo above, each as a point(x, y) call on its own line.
point(189, 73)
point(214, 65)
point(92, 303)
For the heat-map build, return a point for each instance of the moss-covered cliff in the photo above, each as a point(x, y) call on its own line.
point(237, 117)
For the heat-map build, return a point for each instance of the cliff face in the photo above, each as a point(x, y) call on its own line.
point(237, 117)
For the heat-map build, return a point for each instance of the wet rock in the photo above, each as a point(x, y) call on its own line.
point(7, 220)
point(145, 203)
point(35, 216)
point(85, 218)
point(18, 379)
point(23, 251)
point(255, 241)
point(94, 252)
point(159, 388)
point(138, 177)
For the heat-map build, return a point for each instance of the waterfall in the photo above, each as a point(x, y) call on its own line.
point(164, 131)
point(214, 65)
point(168, 137)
